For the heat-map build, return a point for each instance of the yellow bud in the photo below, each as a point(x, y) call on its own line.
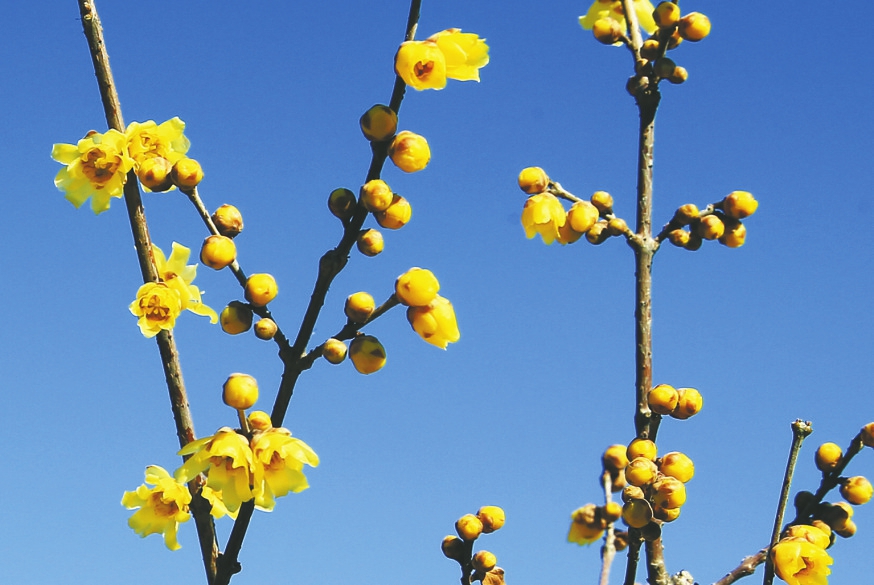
point(409, 152)
point(370, 242)
point(367, 354)
point(607, 30)
point(677, 465)
point(694, 242)
point(265, 329)
point(642, 448)
point(665, 514)
point(236, 318)
point(218, 252)
point(376, 195)
point(710, 227)
point(453, 548)
point(603, 201)
point(649, 50)
point(666, 14)
point(240, 391)
point(359, 306)
point(615, 458)
point(632, 492)
point(735, 234)
point(484, 561)
point(342, 203)
point(469, 527)
point(637, 513)
point(533, 180)
point(678, 76)
point(259, 420)
point(739, 204)
point(582, 216)
point(228, 220)
point(811, 534)
point(334, 351)
point(846, 530)
point(694, 26)
point(641, 472)
point(664, 67)
point(435, 323)
point(492, 518)
point(261, 289)
point(186, 174)
point(416, 287)
point(679, 237)
point(828, 456)
point(617, 227)
point(867, 434)
point(668, 493)
point(396, 215)
point(154, 174)
point(663, 398)
point(379, 123)
point(686, 213)
point(611, 512)
point(567, 234)
point(857, 490)
point(598, 233)
point(689, 404)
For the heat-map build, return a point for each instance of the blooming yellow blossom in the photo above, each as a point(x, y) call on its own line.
point(178, 275)
point(161, 508)
point(448, 54)
point(226, 458)
point(798, 562)
point(148, 139)
point(435, 322)
point(96, 168)
point(463, 53)
point(157, 306)
point(217, 505)
point(279, 460)
point(543, 214)
point(613, 9)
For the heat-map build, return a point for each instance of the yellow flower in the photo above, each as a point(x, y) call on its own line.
point(178, 275)
point(798, 562)
point(435, 322)
point(543, 214)
point(586, 525)
point(157, 306)
point(148, 139)
point(96, 167)
point(613, 9)
point(464, 53)
point(218, 508)
point(227, 461)
point(161, 508)
point(447, 54)
point(279, 460)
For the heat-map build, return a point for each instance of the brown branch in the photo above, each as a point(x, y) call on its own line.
point(169, 355)
point(747, 567)
point(608, 551)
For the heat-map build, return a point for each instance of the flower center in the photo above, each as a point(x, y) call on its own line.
point(423, 69)
point(162, 508)
point(154, 309)
point(99, 166)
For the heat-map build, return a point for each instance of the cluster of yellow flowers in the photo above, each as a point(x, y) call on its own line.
point(721, 221)
point(258, 462)
point(97, 166)
point(483, 564)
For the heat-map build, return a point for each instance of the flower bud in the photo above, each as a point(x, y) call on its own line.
point(228, 220)
point(334, 351)
point(236, 318)
point(259, 420)
point(811, 534)
point(640, 472)
point(620, 540)
point(649, 50)
point(674, 40)
point(846, 530)
point(665, 514)
point(735, 234)
point(469, 527)
point(367, 354)
point(689, 404)
point(492, 518)
point(663, 398)
point(379, 123)
point(186, 174)
point(603, 201)
point(240, 391)
point(265, 329)
point(370, 242)
point(668, 493)
point(615, 458)
point(867, 434)
point(567, 234)
point(582, 216)
point(710, 227)
point(857, 490)
point(694, 242)
point(666, 14)
point(154, 174)
point(686, 213)
point(664, 67)
point(533, 180)
point(453, 548)
point(617, 227)
point(261, 289)
point(409, 152)
point(218, 252)
point(680, 238)
point(677, 465)
point(611, 511)
point(694, 26)
point(396, 215)
point(484, 561)
point(642, 448)
point(598, 233)
point(678, 76)
point(435, 322)
point(632, 492)
point(637, 513)
point(376, 195)
point(828, 456)
point(607, 30)
point(739, 204)
point(359, 307)
point(416, 287)
point(342, 203)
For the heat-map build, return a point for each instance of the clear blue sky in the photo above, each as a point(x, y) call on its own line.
point(518, 412)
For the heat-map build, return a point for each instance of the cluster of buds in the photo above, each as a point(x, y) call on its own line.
point(237, 316)
point(544, 213)
point(483, 564)
point(720, 221)
point(679, 403)
point(219, 250)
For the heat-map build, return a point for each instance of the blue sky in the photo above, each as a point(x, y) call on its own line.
point(517, 412)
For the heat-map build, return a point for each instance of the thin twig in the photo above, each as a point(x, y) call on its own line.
point(745, 568)
point(169, 355)
point(608, 551)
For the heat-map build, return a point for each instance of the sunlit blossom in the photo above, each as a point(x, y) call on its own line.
point(226, 459)
point(543, 214)
point(799, 562)
point(148, 139)
point(435, 322)
point(157, 306)
point(613, 9)
point(176, 273)
point(448, 54)
point(96, 168)
point(161, 507)
point(279, 460)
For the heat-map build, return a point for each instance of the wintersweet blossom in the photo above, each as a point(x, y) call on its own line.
point(157, 306)
point(176, 273)
point(279, 460)
point(799, 562)
point(148, 139)
point(613, 9)
point(96, 168)
point(463, 53)
point(226, 459)
point(435, 322)
point(543, 214)
point(448, 54)
point(161, 508)
point(217, 505)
